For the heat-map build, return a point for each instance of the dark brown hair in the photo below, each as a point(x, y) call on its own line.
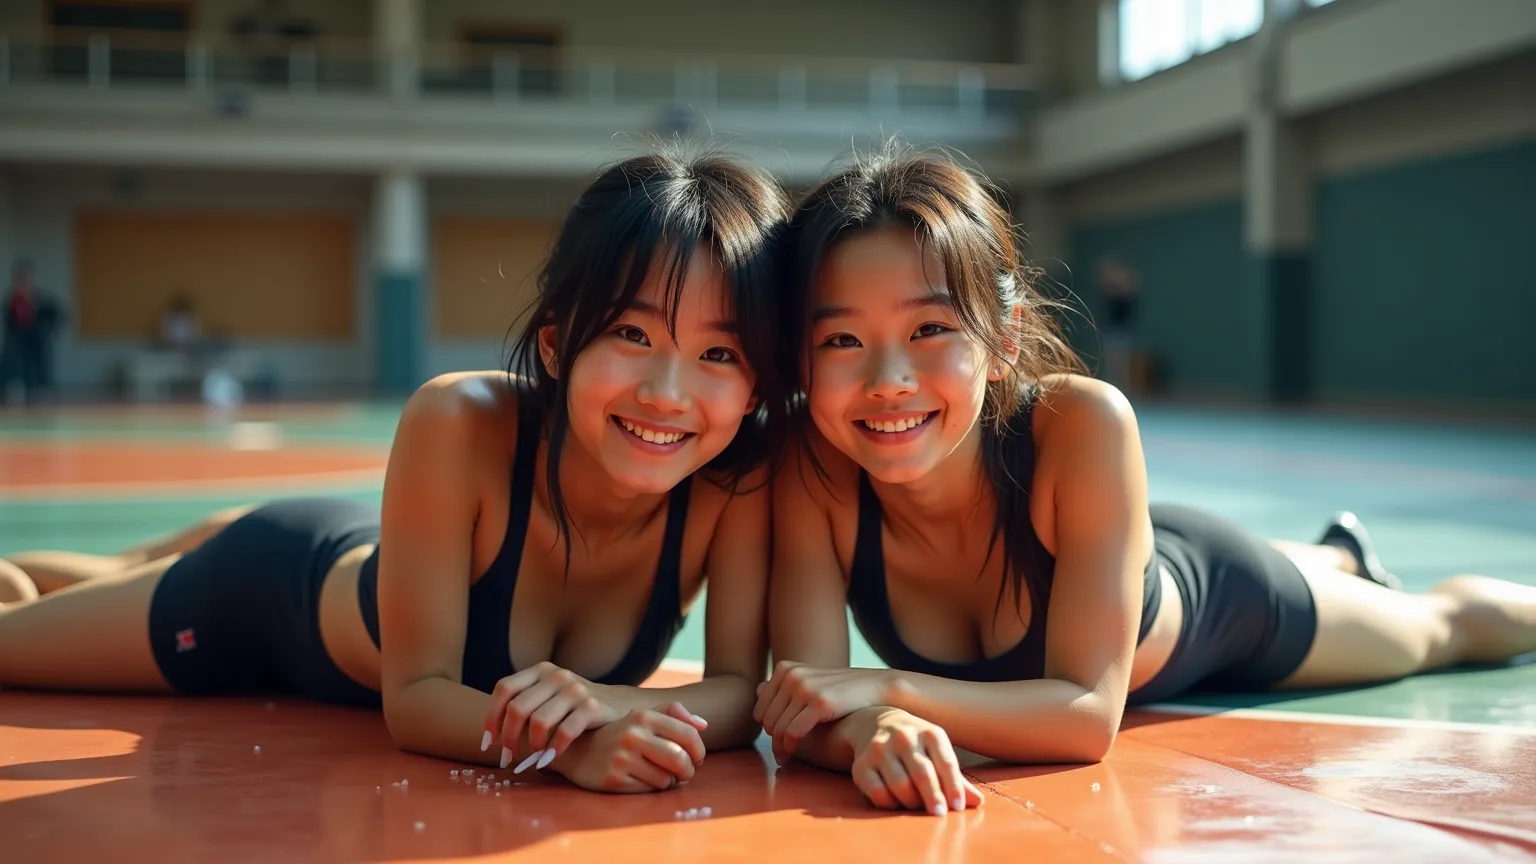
point(956, 214)
point(648, 212)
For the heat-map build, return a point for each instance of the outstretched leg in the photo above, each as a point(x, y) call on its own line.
point(92, 636)
point(52, 571)
point(1321, 557)
point(1344, 545)
point(1367, 633)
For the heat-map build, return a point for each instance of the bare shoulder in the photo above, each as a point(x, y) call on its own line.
point(1075, 410)
point(460, 407)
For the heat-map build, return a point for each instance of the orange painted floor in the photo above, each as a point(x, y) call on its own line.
point(86, 778)
point(147, 468)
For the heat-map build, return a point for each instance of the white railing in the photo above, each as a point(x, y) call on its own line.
point(133, 59)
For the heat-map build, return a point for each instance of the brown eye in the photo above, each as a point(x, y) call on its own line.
point(631, 334)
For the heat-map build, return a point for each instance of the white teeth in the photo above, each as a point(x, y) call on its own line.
point(650, 434)
point(901, 425)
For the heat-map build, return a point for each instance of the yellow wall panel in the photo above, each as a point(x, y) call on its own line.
point(485, 272)
point(250, 275)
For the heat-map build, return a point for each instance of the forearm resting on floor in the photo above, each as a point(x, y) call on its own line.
point(724, 701)
point(443, 718)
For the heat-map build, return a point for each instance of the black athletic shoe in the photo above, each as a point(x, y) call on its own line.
point(1346, 532)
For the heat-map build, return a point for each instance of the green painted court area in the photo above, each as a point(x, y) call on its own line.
point(1439, 499)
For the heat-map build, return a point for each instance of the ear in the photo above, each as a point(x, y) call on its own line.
point(547, 350)
point(1013, 338)
point(751, 406)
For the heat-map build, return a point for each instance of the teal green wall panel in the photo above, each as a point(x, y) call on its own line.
point(1196, 313)
point(1425, 279)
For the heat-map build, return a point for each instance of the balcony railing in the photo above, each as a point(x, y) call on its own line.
point(572, 75)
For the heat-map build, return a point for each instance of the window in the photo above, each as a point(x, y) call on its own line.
point(1158, 34)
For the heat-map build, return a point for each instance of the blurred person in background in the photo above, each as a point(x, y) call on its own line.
point(31, 318)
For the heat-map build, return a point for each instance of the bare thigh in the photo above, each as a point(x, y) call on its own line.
point(54, 570)
point(93, 636)
point(1367, 633)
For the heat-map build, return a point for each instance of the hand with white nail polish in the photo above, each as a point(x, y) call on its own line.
point(643, 751)
point(553, 705)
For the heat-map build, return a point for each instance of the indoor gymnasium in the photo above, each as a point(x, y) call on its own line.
point(260, 252)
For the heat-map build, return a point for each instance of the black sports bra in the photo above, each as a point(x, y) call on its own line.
point(487, 651)
point(871, 610)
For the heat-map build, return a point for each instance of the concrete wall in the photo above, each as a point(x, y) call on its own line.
point(1335, 55)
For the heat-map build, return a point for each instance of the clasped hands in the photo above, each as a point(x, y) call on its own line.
point(899, 760)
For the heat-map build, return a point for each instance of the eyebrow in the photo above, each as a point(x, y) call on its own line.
point(825, 313)
point(719, 325)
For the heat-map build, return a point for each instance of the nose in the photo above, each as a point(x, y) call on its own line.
point(890, 376)
point(662, 387)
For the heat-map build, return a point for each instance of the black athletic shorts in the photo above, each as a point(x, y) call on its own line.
point(1249, 616)
point(241, 613)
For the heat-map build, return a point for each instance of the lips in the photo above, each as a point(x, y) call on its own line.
point(653, 439)
point(652, 433)
point(895, 429)
point(901, 423)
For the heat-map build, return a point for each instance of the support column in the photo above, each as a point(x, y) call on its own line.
point(397, 29)
point(400, 236)
point(1278, 228)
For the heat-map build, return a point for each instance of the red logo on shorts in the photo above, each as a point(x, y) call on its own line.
point(185, 640)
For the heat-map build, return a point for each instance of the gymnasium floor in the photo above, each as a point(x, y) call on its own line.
point(1438, 768)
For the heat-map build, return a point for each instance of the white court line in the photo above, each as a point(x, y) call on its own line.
point(694, 666)
point(107, 492)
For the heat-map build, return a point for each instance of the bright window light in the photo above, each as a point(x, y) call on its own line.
point(1158, 34)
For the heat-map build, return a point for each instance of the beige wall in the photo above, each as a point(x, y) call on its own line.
point(1478, 108)
point(1210, 172)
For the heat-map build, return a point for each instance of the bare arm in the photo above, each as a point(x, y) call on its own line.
point(429, 514)
point(808, 618)
point(1103, 540)
point(735, 650)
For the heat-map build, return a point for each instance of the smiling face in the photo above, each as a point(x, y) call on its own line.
point(895, 383)
point(649, 410)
